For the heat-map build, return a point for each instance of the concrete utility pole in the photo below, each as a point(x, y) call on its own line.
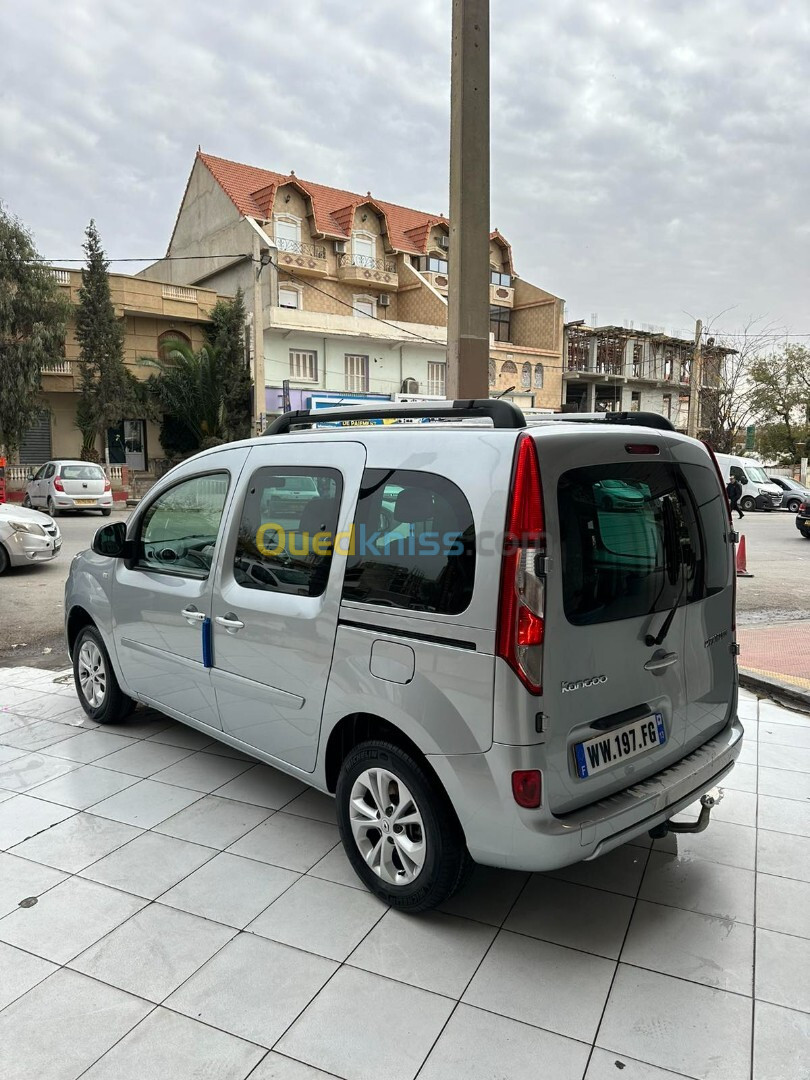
point(259, 406)
point(468, 301)
point(693, 416)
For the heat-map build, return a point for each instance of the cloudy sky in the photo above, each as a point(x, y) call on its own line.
point(650, 158)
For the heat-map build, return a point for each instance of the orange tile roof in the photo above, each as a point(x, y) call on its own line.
point(253, 190)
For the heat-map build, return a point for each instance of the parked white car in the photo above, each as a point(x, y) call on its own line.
point(69, 485)
point(26, 536)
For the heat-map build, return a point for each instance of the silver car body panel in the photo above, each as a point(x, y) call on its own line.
point(24, 548)
point(300, 665)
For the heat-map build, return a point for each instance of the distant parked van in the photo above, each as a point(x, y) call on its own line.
point(758, 492)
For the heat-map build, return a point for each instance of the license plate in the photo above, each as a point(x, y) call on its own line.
point(85, 502)
point(623, 743)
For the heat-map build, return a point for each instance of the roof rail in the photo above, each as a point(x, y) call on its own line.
point(503, 414)
point(629, 419)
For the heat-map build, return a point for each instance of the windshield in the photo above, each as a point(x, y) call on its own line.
point(757, 475)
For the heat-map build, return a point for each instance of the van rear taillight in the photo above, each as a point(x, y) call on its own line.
point(521, 607)
point(527, 788)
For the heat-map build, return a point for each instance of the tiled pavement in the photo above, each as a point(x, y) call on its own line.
point(170, 909)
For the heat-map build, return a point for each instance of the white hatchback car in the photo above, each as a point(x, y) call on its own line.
point(69, 485)
point(26, 536)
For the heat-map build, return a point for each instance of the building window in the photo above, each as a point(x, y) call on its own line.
point(538, 376)
point(667, 409)
point(288, 233)
point(492, 373)
point(436, 383)
point(508, 368)
point(526, 376)
point(169, 340)
point(289, 296)
point(356, 373)
point(304, 364)
point(364, 249)
point(497, 278)
point(635, 401)
point(500, 323)
point(365, 305)
point(430, 264)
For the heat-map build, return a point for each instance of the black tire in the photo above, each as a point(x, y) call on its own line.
point(113, 705)
point(4, 560)
point(446, 860)
point(748, 504)
point(51, 507)
point(106, 512)
point(793, 506)
point(27, 502)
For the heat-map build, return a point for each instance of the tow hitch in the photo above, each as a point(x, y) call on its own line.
point(707, 802)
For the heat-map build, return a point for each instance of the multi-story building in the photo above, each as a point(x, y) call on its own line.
point(153, 312)
point(626, 370)
point(348, 293)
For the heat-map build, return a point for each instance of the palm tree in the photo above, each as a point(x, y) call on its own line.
point(189, 387)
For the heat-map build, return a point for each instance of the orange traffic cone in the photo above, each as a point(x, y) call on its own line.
point(741, 568)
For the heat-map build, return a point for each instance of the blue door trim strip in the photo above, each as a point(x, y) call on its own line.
point(207, 651)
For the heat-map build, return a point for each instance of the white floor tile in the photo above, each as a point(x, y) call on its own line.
point(21, 879)
point(293, 842)
point(67, 919)
point(146, 803)
point(174, 1047)
point(149, 865)
point(723, 842)
point(783, 905)
point(487, 896)
point(478, 1045)
point(23, 816)
point(787, 735)
point(569, 997)
point(154, 952)
point(213, 821)
point(31, 770)
point(19, 971)
point(262, 786)
point(37, 735)
point(677, 1025)
point(776, 756)
point(592, 920)
point(783, 970)
point(202, 772)
point(742, 778)
point(334, 1034)
point(619, 871)
point(145, 757)
point(726, 892)
point(230, 889)
point(702, 949)
point(83, 786)
point(604, 1066)
point(313, 804)
point(434, 951)
point(783, 855)
point(784, 815)
point(253, 988)
point(277, 1067)
point(781, 1043)
point(90, 746)
point(77, 842)
point(784, 785)
point(62, 1025)
point(335, 866)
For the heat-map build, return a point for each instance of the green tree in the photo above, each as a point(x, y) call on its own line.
point(188, 386)
point(778, 444)
point(33, 321)
point(779, 393)
point(106, 385)
point(226, 333)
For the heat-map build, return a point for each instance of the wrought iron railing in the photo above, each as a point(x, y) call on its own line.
point(297, 247)
point(367, 263)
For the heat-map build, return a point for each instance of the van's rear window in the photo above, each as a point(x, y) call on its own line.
point(639, 537)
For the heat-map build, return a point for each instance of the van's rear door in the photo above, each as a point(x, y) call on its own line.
point(638, 585)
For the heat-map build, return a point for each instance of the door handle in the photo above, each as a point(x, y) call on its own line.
point(192, 616)
point(658, 663)
point(230, 622)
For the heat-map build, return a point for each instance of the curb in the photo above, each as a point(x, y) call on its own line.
point(782, 692)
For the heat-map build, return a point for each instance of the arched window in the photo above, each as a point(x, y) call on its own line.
point(492, 373)
point(169, 338)
point(508, 368)
point(538, 376)
point(526, 376)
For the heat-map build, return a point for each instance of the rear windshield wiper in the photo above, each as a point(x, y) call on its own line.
point(675, 565)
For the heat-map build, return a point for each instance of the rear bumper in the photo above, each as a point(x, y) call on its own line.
point(803, 525)
point(88, 502)
point(500, 833)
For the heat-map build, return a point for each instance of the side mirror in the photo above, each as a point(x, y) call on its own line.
point(111, 540)
point(30, 475)
point(743, 479)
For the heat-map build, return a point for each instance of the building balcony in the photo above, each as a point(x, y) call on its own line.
point(56, 367)
point(61, 277)
point(368, 272)
point(309, 260)
point(180, 292)
point(440, 282)
point(501, 294)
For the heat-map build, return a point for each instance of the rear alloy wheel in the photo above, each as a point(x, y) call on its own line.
point(27, 502)
point(398, 828)
point(52, 508)
point(99, 693)
point(748, 504)
point(793, 506)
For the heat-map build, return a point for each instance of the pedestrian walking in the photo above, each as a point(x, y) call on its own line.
point(734, 491)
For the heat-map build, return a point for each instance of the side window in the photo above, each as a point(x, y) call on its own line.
point(49, 471)
point(413, 544)
point(738, 474)
point(179, 530)
point(40, 473)
point(287, 530)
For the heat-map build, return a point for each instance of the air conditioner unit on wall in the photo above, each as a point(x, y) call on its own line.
point(444, 242)
point(340, 247)
point(385, 300)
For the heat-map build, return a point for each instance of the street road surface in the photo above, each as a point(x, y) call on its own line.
point(32, 598)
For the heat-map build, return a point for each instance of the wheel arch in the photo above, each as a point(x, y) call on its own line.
point(77, 619)
point(360, 727)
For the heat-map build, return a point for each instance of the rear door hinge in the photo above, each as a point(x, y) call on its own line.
point(734, 648)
